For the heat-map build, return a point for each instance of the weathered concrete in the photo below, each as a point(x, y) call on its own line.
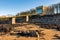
point(13, 20)
point(27, 18)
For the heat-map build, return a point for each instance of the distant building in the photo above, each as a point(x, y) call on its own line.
point(41, 10)
point(56, 8)
point(48, 10)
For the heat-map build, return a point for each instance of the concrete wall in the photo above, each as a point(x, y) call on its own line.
point(13, 20)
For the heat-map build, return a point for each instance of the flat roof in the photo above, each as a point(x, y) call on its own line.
point(28, 15)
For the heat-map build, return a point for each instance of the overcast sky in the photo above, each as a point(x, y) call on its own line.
point(12, 7)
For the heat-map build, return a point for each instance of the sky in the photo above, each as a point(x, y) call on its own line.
point(12, 7)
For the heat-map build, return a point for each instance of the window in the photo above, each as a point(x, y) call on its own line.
point(39, 10)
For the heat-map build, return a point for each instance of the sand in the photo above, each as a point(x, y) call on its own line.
point(48, 35)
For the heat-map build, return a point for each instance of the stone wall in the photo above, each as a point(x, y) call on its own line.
point(8, 21)
point(47, 19)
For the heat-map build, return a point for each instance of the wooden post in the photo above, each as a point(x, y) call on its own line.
point(37, 35)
